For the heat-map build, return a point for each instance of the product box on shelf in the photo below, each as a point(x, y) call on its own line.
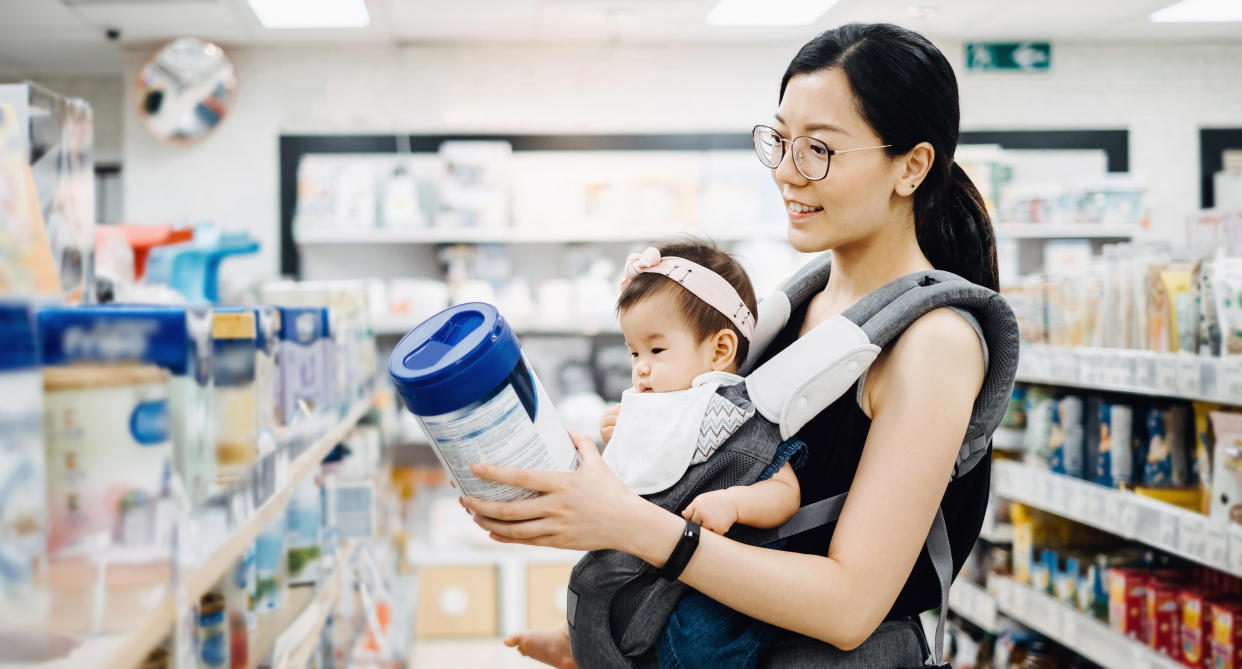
point(1127, 600)
point(237, 403)
point(1226, 635)
point(302, 361)
point(174, 338)
point(120, 383)
point(1196, 626)
point(23, 494)
point(1163, 621)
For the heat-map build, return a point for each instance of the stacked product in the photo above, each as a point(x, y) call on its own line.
point(1184, 453)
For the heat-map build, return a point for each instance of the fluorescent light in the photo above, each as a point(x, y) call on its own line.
point(311, 13)
point(767, 12)
point(1199, 11)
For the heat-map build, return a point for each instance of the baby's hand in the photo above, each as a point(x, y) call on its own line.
point(608, 423)
point(713, 511)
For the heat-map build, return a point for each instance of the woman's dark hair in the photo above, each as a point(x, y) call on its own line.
point(907, 92)
point(704, 320)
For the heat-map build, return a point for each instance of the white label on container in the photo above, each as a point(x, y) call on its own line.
point(500, 432)
point(107, 453)
point(1190, 379)
point(1166, 374)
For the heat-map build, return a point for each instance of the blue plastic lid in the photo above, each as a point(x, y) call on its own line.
point(116, 333)
point(265, 329)
point(303, 325)
point(454, 359)
point(325, 313)
point(17, 331)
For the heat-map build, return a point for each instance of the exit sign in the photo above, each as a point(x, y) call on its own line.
point(1009, 56)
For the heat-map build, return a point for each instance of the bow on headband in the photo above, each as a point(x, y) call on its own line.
point(699, 280)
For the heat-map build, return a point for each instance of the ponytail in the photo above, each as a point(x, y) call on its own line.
point(954, 230)
point(907, 93)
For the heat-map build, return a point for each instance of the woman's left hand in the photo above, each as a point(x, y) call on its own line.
point(587, 509)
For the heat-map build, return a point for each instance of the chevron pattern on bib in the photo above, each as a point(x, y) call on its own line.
point(720, 421)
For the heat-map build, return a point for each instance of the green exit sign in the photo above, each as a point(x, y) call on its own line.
point(1009, 56)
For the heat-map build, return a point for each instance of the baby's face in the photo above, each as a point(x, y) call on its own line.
point(664, 353)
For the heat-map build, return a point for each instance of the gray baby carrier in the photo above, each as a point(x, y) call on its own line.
point(618, 604)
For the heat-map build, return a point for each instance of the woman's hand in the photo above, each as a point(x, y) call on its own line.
point(587, 509)
point(608, 423)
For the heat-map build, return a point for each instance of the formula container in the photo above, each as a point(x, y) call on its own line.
point(267, 331)
point(332, 353)
point(108, 451)
point(213, 632)
point(23, 521)
point(304, 534)
point(462, 373)
point(237, 399)
point(301, 361)
point(175, 338)
point(271, 572)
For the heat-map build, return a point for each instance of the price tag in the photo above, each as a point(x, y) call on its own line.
point(1069, 628)
point(1097, 504)
point(1168, 530)
point(1128, 514)
point(1190, 538)
point(1127, 370)
point(1078, 505)
point(1166, 374)
point(1189, 375)
point(1216, 546)
point(1144, 370)
point(1230, 382)
point(1048, 493)
point(1235, 549)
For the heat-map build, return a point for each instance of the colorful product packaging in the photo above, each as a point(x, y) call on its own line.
point(1163, 621)
point(1227, 287)
point(302, 361)
point(23, 518)
point(1067, 447)
point(1227, 467)
point(1166, 462)
point(237, 403)
point(305, 532)
point(1226, 635)
point(271, 570)
point(1205, 302)
point(1196, 629)
point(1127, 600)
point(175, 338)
point(1116, 461)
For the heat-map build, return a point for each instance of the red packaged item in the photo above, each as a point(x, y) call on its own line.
point(1196, 632)
point(1162, 624)
point(1226, 634)
point(1127, 600)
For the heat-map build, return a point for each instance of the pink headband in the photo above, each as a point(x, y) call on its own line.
point(702, 282)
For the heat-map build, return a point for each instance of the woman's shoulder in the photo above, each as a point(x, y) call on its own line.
point(939, 351)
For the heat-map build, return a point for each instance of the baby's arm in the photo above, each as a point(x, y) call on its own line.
point(764, 504)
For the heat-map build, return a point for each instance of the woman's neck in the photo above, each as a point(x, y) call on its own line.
point(859, 269)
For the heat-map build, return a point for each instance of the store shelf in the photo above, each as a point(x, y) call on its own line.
point(973, 603)
point(1000, 533)
point(1169, 528)
point(1176, 375)
point(1067, 231)
point(295, 644)
point(1073, 629)
point(128, 650)
point(270, 626)
point(583, 234)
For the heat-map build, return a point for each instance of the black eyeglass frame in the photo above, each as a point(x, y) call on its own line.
point(829, 152)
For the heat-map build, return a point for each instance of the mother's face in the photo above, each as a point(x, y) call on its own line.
point(857, 197)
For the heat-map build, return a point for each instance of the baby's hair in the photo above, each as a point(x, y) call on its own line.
point(704, 320)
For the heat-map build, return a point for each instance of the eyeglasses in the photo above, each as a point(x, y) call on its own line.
point(811, 156)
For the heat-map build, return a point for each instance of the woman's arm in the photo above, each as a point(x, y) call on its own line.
point(922, 394)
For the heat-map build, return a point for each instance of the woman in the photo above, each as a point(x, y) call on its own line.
point(880, 102)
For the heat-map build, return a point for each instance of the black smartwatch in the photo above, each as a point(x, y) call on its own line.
point(680, 557)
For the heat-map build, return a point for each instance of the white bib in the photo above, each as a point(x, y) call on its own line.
point(660, 435)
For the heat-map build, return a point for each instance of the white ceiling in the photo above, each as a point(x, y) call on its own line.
point(67, 36)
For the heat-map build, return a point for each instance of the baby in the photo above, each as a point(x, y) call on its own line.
point(687, 313)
